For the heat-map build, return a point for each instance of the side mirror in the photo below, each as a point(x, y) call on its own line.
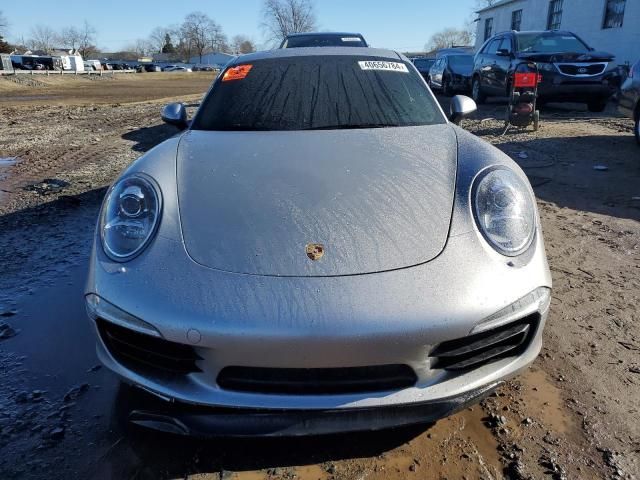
point(460, 108)
point(175, 114)
point(503, 52)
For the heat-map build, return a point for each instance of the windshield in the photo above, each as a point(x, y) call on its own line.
point(423, 64)
point(324, 40)
point(318, 92)
point(550, 43)
point(461, 60)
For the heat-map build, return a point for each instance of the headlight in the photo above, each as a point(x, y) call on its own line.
point(546, 67)
point(504, 211)
point(130, 215)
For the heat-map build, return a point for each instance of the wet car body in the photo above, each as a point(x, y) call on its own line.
point(400, 312)
point(629, 101)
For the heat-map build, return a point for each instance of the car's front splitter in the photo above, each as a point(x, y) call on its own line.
point(211, 422)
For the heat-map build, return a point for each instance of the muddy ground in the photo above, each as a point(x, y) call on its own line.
point(575, 414)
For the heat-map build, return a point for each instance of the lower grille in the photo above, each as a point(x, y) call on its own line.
point(479, 349)
point(139, 351)
point(314, 381)
point(575, 70)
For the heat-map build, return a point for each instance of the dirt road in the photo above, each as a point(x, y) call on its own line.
point(111, 88)
point(573, 415)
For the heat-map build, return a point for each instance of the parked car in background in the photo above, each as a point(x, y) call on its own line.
point(203, 68)
point(89, 66)
point(323, 39)
point(455, 51)
point(451, 74)
point(152, 68)
point(629, 101)
point(571, 70)
point(177, 68)
point(95, 64)
point(106, 66)
point(423, 65)
point(168, 68)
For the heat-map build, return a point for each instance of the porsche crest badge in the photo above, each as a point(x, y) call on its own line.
point(315, 251)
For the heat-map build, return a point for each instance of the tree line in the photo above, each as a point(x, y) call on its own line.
point(197, 35)
point(465, 36)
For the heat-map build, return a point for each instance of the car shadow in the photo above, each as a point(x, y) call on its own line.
point(149, 454)
point(146, 138)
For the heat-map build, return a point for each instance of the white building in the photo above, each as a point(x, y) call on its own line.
point(608, 25)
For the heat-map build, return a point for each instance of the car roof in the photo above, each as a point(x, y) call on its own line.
point(343, 34)
point(317, 52)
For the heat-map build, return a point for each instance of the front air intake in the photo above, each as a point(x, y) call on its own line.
point(476, 350)
point(141, 352)
point(317, 381)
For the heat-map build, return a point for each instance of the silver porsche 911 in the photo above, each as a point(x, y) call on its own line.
point(321, 249)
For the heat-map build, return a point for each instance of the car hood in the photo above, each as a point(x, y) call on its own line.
point(375, 199)
point(560, 57)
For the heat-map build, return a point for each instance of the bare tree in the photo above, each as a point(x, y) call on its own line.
point(199, 33)
point(42, 38)
point(282, 17)
point(217, 39)
point(240, 44)
point(142, 47)
point(158, 38)
point(70, 37)
point(449, 37)
point(86, 39)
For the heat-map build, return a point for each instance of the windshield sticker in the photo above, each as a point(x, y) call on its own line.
point(386, 66)
point(236, 73)
point(350, 39)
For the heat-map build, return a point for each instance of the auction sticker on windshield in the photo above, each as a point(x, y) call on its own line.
point(379, 65)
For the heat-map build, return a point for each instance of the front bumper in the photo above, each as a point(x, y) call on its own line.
point(216, 422)
point(562, 88)
point(461, 83)
point(394, 317)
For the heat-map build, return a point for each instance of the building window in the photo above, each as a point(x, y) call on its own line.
point(614, 13)
point(516, 20)
point(555, 15)
point(488, 28)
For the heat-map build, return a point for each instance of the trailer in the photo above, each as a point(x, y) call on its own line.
point(77, 63)
point(36, 62)
point(5, 63)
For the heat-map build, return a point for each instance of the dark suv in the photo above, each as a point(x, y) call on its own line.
point(571, 70)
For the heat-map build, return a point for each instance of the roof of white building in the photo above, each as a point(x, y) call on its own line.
point(495, 5)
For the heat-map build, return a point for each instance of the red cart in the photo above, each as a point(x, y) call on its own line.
point(522, 109)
